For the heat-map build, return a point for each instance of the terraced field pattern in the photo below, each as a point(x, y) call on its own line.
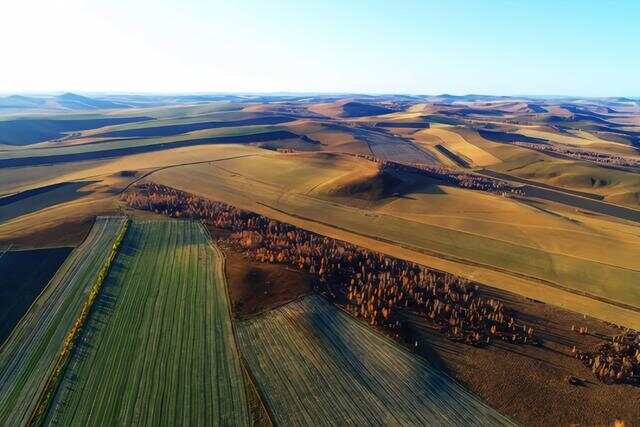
point(28, 355)
point(316, 365)
point(158, 348)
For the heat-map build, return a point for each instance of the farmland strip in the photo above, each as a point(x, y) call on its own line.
point(163, 351)
point(316, 365)
point(29, 353)
point(71, 338)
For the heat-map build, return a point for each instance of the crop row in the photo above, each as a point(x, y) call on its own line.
point(158, 348)
point(29, 354)
point(70, 340)
point(316, 365)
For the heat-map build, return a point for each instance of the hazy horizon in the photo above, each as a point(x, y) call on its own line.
point(495, 48)
point(90, 93)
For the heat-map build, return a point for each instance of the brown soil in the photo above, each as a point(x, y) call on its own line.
point(530, 383)
point(257, 287)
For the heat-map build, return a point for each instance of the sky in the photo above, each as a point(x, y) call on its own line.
point(583, 48)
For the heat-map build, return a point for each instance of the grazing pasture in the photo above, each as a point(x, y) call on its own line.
point(23, 275)
point(159, 346)
point(316, 365)
point(30, 352)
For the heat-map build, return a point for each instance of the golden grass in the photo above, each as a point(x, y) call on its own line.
point(457, 144)
point(331, 138)
point(616, 186)
point(503, 243)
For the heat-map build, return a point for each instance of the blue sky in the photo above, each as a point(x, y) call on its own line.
point(589, 48)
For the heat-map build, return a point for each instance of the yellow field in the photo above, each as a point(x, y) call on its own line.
point(100, 197)
point(578, 138)
point(331, 138)
point(457, 144)
point(506, 244)
point(541, 132)
point(616, 186)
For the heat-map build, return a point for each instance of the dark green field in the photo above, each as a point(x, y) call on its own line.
point(23, 275)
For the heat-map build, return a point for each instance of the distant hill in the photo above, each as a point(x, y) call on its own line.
point(349, 108)
point(79, 102)
point(67, 101)
point(19, 101)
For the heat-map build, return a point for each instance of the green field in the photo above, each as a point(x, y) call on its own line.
point(23, 275)
point(316, 365)
point(158, 349)
point(29, 353)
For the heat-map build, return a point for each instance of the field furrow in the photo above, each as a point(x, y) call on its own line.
point(318, 366)
point(29, 354)
point(159, 349)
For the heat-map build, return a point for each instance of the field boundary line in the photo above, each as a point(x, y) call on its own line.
point(222, 260)
point(15, 328)
point(44, 400)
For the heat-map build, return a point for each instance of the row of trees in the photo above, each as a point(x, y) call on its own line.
point(371, 285)
point(449, 176)
point(604, 159)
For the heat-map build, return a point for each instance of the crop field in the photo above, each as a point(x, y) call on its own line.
point(159, 347)
point(316, 365)
point(23, 275)
point(456, 143)
point(38, 199)
point(191, 127)
point(29, 353)
point(118, 148)
point(387, 147)
point(29, 131)
point(304, 173)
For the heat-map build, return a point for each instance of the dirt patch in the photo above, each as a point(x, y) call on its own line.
point(257, 287)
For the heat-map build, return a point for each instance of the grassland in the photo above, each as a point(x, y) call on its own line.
point(29, 353)
point(23, 275)
point(615, 186)
point(120, 148)
point(178, 365)
point(499, 241)
point(316, 365)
